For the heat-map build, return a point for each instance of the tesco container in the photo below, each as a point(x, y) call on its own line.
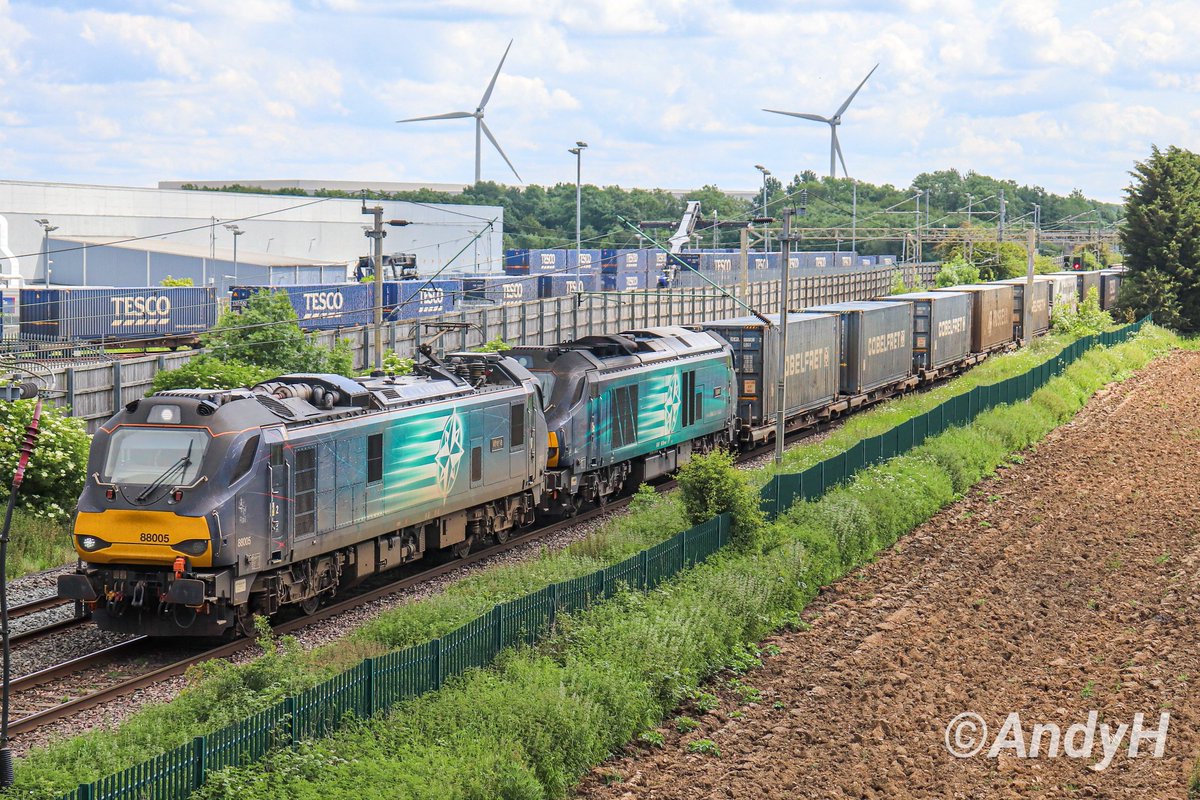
point(727, 263)
point(319, 306)
point(875, 343)
point(420, 298)
point(941, 327)
point(991, 315)
point(587, 259)
point(561, 285)
point(624, 280)
point(812, 364)
point(96, 314)
point(518, 258)
point(498, 289)
point(1039, 307)
point(547, 260)
point(886, 261)
point(1110, 287)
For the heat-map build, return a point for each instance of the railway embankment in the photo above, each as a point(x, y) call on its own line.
point(543, 717)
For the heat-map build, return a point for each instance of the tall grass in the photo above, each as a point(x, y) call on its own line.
point(37, 544)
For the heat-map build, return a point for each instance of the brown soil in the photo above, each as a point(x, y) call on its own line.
point(1068, 583)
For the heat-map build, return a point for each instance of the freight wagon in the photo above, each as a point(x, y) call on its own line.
point(812, 369)
point(319, 306)
point(1066, 291)
point(1085, 281)
point(875, 345)
point(991, 315)
point(1039, 308)
point(941, 331)
point(157, 316)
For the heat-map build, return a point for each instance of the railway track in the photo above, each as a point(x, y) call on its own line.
point(47, 603)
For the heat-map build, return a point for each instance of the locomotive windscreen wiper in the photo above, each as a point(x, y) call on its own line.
point(184, 461)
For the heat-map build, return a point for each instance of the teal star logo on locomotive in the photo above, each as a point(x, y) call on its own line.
point(449, 454)
point(671, 407)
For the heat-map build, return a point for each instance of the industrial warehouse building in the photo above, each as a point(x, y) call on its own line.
point(71, 235)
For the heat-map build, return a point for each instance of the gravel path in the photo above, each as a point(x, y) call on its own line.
point(1067, 585)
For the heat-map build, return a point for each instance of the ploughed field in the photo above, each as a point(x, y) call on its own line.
point(1068, 584)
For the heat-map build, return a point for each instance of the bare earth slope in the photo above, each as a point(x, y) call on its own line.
point(1068, 584)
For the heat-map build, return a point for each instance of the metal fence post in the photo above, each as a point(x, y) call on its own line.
point(369, 687)
point(289, 705)
point(199, 762)
point(498, 624)
point(437, 663)
point(86, 791)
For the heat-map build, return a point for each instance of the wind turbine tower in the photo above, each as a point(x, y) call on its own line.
point(835, 149)
point(480, 126)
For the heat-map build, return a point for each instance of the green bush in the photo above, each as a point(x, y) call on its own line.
point(711, 484)
point(956, 272)
point(56, 470)
point(1085, 320)
point(209, 372)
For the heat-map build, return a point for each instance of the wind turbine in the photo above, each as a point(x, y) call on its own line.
point(480, 125)
point(835, 149)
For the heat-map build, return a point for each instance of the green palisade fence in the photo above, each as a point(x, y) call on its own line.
point(377, 684)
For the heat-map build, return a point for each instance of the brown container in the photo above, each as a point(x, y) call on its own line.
point(991, 315)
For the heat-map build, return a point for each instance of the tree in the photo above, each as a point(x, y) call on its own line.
point(58, 465)
point(956, 272)
point(1161, 238)
point(260, 341)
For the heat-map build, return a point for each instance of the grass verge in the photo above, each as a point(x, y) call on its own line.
point(37, 544)
point(529, 726)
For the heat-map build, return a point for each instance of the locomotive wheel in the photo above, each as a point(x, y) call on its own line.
point(503, 536)
point(310, 605)
point(463, 548)
point(571, 507)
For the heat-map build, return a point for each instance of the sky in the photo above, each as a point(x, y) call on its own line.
point(667, 94)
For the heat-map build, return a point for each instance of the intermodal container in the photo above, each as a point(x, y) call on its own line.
point(586, 259)
point(1110, 287)
point(720, 262)
point(1039, 307)
point(498, 289)
point(625, 280)
point(561, 285)
point(941, 327)
point(420, 298)
point(547, 260)
point(756, 262)
point(319, 306)
point(517, 258)
point(991, 314)
point(1066, 291)
point(812, 364)
point(875, 343)
point(1085, 281)
point(886, 261)
point(94, 314)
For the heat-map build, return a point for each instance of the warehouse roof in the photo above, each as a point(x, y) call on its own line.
point(166, 247)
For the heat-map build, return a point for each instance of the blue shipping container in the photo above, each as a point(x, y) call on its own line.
point(587, 259)
point(547, 260)
point(420, 298)
point(516, 258)
point(498, 289)
point(94, 314)
point(320, 306)
point(560, 284)
point(625, 280)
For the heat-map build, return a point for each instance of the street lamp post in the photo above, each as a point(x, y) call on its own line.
point(46, 228)
point(765, 173)
point(578, 151)
point(236, 231)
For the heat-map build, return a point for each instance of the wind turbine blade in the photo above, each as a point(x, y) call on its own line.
point(499, 150)
point(488, 94)
point(451, 115)
point(813, 117)
point(837, 148)
point(850, 99)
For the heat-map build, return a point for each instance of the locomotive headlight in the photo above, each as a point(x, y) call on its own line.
point(165, 414)
point(193, 547)
point(90, 544)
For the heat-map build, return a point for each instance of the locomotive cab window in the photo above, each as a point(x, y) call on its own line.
point(143, 456)
point(375, 458)
point(517, 426)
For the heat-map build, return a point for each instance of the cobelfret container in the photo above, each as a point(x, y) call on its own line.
point(875, 343)
point(137, 312)
point(319, 306)
point(420, 298)
point(1039, 309)
point(563, 284)
point(941, 327)
point(1066, 291)
point(991, 315)
point(813, 365)
point(498, 289)
point(1110, 287)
